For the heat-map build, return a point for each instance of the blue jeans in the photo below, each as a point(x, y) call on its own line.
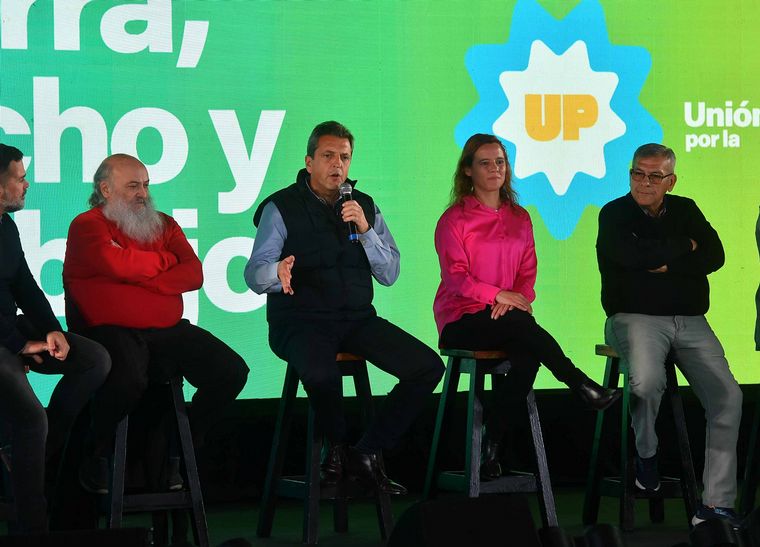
point(32, 429)
point(643, 343)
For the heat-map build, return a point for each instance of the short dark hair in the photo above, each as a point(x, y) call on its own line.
point(331, 128)
point(7, 155)
point(652, 150)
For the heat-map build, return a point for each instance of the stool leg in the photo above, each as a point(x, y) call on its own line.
point(200, 526)
point(474, 432)
point(277, 454)
point(592, 497)
point(747, 497)
point(119, 469)
point(688, 477)
point(382, 500)
point(311, 482)
point(546, 496)
point(627, 472)
point(448, 394)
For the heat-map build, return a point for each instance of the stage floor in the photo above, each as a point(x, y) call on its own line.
point(228, 521)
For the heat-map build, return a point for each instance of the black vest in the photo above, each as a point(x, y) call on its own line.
point(331, 276)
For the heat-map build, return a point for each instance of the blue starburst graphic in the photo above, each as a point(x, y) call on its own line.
point(586, 23)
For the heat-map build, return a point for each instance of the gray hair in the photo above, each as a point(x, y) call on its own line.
point(654, 149)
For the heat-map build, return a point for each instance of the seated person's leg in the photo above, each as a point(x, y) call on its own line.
point(210, 365)
point(84, 370)
point(20, 407)
point(117, 397)
point(507, 402)
point(518, 329)
point(701, 358)
point(418, 368)
point(310, 348)
point(643, 343)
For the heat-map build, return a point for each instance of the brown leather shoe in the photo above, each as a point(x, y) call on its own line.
point(368, 469)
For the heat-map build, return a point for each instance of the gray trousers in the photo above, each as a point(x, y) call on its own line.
point(643, 342)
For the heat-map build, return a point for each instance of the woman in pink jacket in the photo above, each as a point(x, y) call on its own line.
point(487, 254)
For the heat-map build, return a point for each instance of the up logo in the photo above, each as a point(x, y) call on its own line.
point(546, 116)
point(565, 103)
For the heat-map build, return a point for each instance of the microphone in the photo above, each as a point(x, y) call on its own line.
point(345, 191)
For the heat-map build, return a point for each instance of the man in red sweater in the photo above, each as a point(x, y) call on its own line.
point(125, 270)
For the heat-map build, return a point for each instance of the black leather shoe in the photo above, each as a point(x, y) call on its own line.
point(490, 468)
point(93, 474)
point(174, 480)
point(595, 396)
point(367, 469)
point(331, 468)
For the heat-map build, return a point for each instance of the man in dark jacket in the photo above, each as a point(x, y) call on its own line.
point(318, 280)
point(35, 340)
point(655, 251)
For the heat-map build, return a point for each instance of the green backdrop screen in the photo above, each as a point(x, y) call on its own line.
point(218, 98)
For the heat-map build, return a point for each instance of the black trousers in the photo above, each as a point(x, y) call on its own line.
point(527, 344)
point(35, 431)
point(141, 356)
point(311, 346)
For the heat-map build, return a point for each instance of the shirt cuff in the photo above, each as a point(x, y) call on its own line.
point(370, 238)
point(488, 293)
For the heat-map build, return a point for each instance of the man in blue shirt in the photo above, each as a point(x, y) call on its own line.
point(319, 289)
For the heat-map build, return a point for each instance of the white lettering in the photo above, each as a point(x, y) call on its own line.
point(173, 136)
point(157, 36)
point(13, 23)
point(215, 266)
point(247, 171)
point(188, 218)
point(49, 124)
point(193, 41)
point(66, 30)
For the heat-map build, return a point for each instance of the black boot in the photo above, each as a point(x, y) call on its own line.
point(594, 395)
point(333, 459)
point(368, 469)
point(490, 468)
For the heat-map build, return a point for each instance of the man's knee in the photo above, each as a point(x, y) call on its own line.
point(320, 379)
point(730, 404)
point(236, 373)
point(647, 386)
point(34, 422)
point(425, 367)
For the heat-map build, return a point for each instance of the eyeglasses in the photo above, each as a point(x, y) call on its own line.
point(653, 178)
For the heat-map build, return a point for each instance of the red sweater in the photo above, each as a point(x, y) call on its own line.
point(114, 280)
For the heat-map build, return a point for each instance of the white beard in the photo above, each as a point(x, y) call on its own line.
point(142, 224)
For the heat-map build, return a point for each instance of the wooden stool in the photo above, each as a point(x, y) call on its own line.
point(162, 501)
point(477, 364)
point(623, 486)
point(307, 487)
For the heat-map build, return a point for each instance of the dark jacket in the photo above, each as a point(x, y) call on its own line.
point(332, 278)
point(18, 289)
point(630, 243)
